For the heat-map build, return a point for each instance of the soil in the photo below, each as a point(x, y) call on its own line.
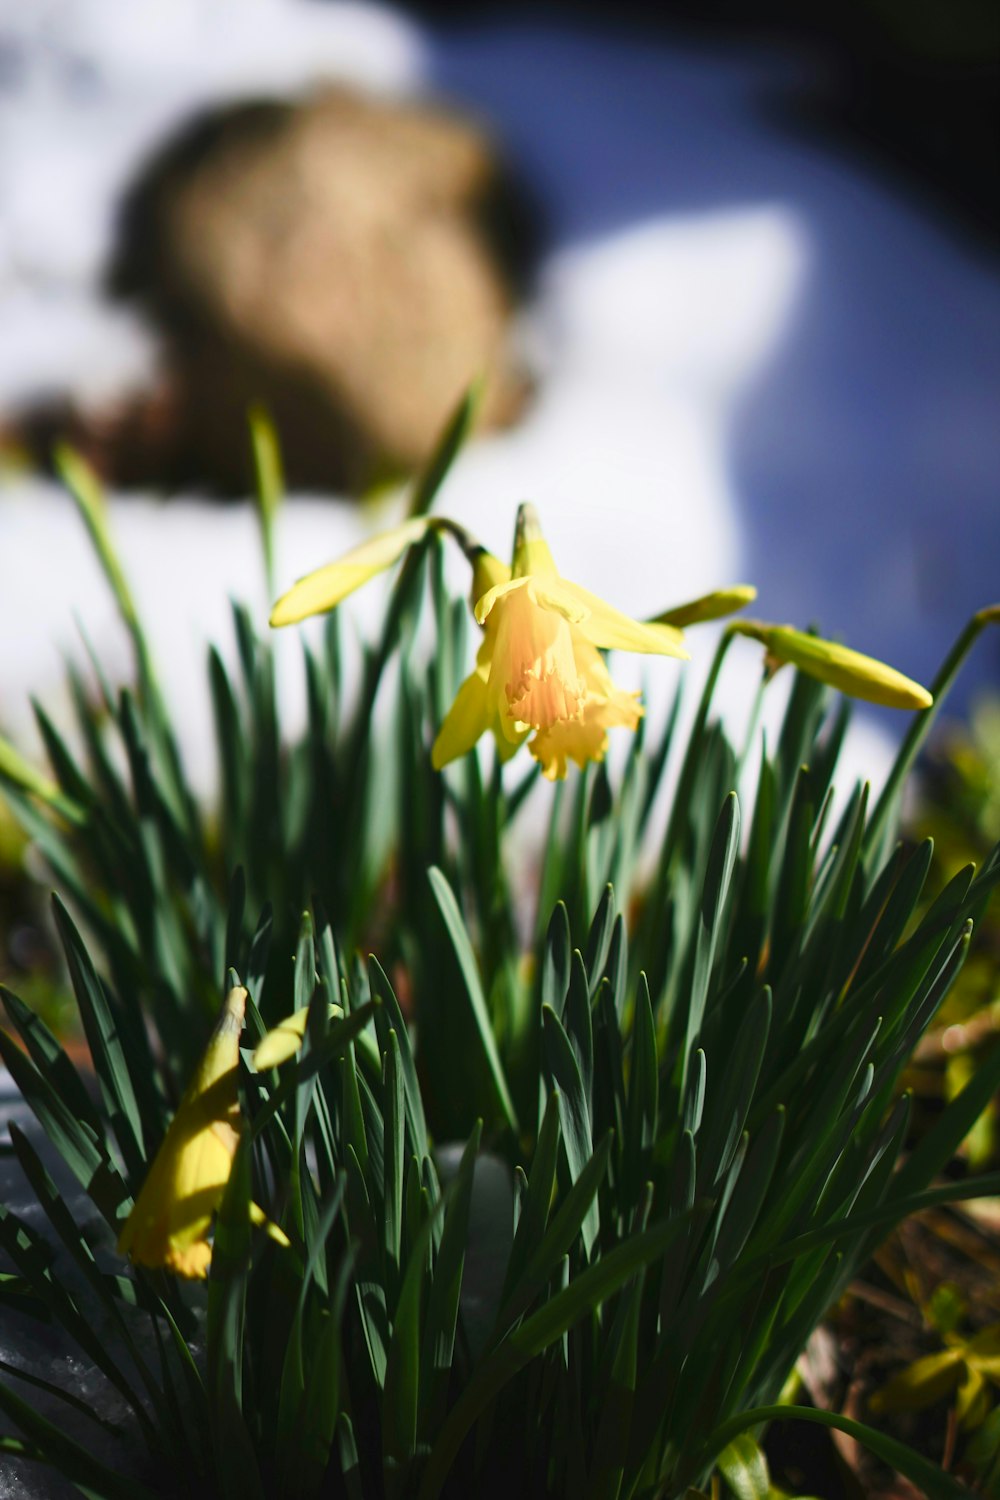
point(874, 1333)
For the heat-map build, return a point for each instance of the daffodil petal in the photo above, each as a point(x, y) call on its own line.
point(611, 630)
point(272, 1230)
point(484, 605)
point(323, 590)
point(509, 737)
point(285, 1039)
point(192, 1261)
point(281, 1042)
point(850, 671)
point(578, 740)
point(714, 606)
point(487, 572)
point(547, 596)
point(467, 718)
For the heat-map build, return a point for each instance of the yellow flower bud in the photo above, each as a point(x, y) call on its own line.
point(171, 1218)
point(714, 606)
point(850, 671)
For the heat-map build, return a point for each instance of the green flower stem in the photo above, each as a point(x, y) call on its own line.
point(886, 808)
point(269, 485)
point(691, 758)
point(446, 449)
point(752, 726)
point(85, 489)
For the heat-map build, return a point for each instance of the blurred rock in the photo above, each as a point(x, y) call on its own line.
point(350, 262)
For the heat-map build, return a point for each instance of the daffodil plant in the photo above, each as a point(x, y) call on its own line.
point(547, 1202)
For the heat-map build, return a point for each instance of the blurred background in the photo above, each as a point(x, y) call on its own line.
point(731, 272)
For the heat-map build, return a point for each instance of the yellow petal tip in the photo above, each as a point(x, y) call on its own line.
point(281, 1042)
point(270, 1228)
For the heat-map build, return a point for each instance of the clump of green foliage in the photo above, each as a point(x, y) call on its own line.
point(959, 807)
point(675, 1097)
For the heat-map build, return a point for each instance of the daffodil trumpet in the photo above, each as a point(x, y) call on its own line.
point(539, 671)
point(170, 1222)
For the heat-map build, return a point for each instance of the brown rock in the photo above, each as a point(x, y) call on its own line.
point(351, 263)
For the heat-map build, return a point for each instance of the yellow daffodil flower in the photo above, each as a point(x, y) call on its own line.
point(470, 713)
point(850, 671)
point(539, 670)
point(171, 1217)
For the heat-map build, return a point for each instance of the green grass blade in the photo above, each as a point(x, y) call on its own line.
point(447, 448)
point(237, 1473)
point(718, 875)
point(644, 1084)
point(880, 826)
point(107, 1052)
point(449, 909)
point(50, 1059)
point(744, 1468)
point(84, 1154)
point(340, 1036)
point(537, 1199)
point(537, 1333)
point(937, 1147)
point(401, 1393)
point(930, 1479)
point(556, 960)
point(599, 939)
point(446, 1287)
point(563, 1229)
point(68, 1232)
point(392, 1166)
point(33, 1257)
point(69, 1458)
point(389, 1017)
point(113, 1430)
point(576, 1019)
point(735, 1090)
point(21, 775)
point(565, 1078)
